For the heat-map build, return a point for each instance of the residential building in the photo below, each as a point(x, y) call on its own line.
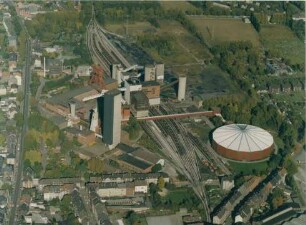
point(57, 191)
point(223, 211)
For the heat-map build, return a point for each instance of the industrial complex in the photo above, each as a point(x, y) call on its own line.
point(112, 88)
point(148, 112)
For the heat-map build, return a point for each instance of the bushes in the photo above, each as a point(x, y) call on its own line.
point(162, 44)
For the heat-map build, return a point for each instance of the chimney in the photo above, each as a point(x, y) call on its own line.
point(72, 109)
point(44, 66)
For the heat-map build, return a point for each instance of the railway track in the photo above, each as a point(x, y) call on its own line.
point(101, 49)
point(176, 143)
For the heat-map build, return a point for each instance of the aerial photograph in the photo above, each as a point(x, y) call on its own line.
point(152, 112)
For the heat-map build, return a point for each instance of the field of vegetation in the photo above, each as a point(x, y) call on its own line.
point(134, 28)
point(181, 5)
point(216, 30)
point(281, 41)
point(210, 79)
point(167, 42)
point(248, 168)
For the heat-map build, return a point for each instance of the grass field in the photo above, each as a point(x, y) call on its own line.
point(134, 28)
point(281, 40)
point(186, 48)
point(216, 30)
point(247, 168)
point(177, 5)
point(33, 156)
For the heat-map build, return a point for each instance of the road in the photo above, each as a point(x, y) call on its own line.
point(40, 87)
point(19, 166)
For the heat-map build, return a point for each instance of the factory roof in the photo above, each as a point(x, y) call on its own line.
point(126, 148)
point(140, 100)
point(113, 92)
point(243, 138)
point(145, 155)
point(150, 83)
point(76, 95)
point(134, 161)
point(76, 131)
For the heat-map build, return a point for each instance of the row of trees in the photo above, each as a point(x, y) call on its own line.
point(298, 27)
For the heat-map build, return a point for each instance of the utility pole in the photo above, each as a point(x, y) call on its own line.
point(127, 24)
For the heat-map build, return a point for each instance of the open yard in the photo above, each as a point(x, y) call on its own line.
point(33, 156)
point(216, 30)
point(248, 168)
point(281, 40)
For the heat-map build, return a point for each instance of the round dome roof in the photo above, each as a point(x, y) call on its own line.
point(243, 138)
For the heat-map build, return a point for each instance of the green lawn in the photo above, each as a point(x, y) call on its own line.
point(179, 196)
point(247, 168)
point(33, 156)
point(216, 30)
point(281, 41)
point(2, 119)
point(185, 47)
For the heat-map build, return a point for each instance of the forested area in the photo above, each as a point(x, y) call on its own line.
point(298, 27)
point(239, 59)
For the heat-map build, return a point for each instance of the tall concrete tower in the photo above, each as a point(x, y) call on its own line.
point(150, 73)
point(72, 108)
point(112, 118)
point(116, 72)
point(181, 88)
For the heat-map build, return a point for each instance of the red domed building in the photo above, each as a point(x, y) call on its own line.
point(243, 142)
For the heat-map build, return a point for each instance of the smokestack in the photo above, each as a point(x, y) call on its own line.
point(44, 66)
point(181, 88)
point(72, 109)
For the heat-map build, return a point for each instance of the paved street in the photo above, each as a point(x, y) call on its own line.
point(19, 168)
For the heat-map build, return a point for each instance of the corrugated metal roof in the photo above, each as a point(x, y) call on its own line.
point(242, 137)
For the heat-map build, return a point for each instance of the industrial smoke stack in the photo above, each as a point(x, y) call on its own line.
point(72, 109)
point(181, 88)
point(44, 66)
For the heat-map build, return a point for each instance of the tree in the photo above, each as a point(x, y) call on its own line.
point(161, 183)
point(274, 161)
point(132, 218)
point(95, 165)
point(276, 198)
point(2, 139)
point(290, 165)
point(157, 167)
point(133, 128)
point(7, 186)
